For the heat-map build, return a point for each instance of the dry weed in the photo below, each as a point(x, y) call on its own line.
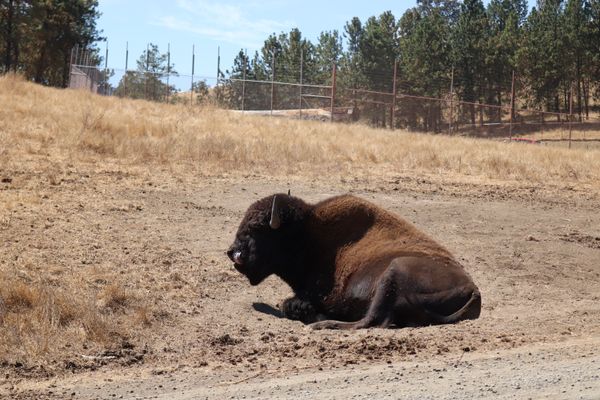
point(41, 318)
point(115, 298)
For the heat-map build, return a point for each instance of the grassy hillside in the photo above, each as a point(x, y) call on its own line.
point(76, 125)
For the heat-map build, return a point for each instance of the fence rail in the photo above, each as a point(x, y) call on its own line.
point(395, 106)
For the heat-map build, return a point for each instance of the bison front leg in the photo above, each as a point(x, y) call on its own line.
point(300, 310)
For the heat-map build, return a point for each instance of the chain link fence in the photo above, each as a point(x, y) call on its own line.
point(380, 100)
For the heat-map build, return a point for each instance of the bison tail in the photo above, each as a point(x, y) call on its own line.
point(470, 310)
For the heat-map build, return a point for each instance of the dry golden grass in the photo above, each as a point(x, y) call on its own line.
point(39, 319)
point(42, 317)
point(78, 125)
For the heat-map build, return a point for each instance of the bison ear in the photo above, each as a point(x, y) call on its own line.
point(275, 222)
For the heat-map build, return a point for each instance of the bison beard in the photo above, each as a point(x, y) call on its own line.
point(352, 265)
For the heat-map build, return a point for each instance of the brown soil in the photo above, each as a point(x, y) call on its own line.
point(533, 250)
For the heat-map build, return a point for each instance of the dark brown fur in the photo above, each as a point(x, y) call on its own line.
point(352, 265)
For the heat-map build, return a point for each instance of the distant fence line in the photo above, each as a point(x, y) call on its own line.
point(394, 106)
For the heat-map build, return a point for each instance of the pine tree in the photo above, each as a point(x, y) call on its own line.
point(542, 56)
point(425, 64)
point(327, 53)
point(351, 76)
point(147, 81)
point(577, 17)
point(37, 36)
point(506, 20)
point(594, 43)
point(469, 42)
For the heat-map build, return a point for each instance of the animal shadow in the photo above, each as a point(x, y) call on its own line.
point(267, 309)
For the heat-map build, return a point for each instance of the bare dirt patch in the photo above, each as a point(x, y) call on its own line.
point(147, 246)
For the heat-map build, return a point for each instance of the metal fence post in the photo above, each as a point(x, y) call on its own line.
point(218, 64)
point(393, 113)
point(71, 65)
point(168, 69)
point(333, 88)
point(192, 83)
point(512, 106)
point(301, 71)
point(218, 72)
point(570, 113)
point(106, 70)
point(272, 81)
point(126, 61)
point(146, 75)
point(76, 60)
point(451, 101)
point(245, 60)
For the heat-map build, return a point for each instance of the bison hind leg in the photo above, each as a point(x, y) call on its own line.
point(387, 304)
point(382, 310)
point(300, 310)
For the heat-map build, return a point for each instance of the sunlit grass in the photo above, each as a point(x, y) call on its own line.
point(77, 124)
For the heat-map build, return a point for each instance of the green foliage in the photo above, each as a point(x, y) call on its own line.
point(38, 35)
point(328, 52)
point(149, 80)
point(201, 91)
point(554, 50)
point(425, 61)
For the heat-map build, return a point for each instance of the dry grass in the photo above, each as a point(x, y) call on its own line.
point(77, 125)
point(44, 319)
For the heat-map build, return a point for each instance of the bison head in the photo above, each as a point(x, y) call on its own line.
point(268, 237)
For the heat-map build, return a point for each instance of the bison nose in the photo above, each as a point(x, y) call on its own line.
point(230, 254)
point(237, 257)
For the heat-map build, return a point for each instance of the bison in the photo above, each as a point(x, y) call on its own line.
point(352, 264)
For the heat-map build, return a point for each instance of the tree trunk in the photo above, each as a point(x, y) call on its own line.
point(472, 110)
point(499, 117)
point(66, 70)
point(40, 66)
point(9, 40)
point(16, 42)
point(578, 88)
point(586, 99)
point(579, 108)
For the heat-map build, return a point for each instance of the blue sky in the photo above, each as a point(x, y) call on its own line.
point(232, 25)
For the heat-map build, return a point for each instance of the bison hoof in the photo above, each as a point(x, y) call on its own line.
point(297, 309)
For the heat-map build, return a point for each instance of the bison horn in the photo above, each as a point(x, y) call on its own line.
point(275, 221)
point(289, 192)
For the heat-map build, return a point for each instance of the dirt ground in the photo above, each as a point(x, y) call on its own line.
point(533, 250)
